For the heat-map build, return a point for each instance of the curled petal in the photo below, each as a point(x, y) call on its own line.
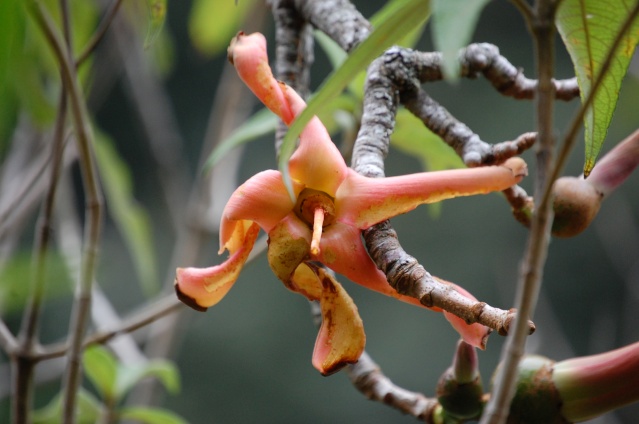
point(363, 202)
point(288, 245)
point(306, 282)
point(341, 337)
point(317, 162)
point(343, 251)
point(201, 288)
point(262, 198)
point(248, 54)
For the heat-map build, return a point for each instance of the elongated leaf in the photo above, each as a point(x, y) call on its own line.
point(165, 371)
point(453, 24)
point(151, 416)
point(101, 368)
point(261, 123)
point(588, 28)
point(404, 16)
point(336, 55)
point(130, 218)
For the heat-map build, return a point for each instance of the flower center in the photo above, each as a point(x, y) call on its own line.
point(317, 209)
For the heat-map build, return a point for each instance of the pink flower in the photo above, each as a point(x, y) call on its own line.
point(332, 205)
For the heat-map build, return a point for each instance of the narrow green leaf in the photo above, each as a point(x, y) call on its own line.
point(130, 218)
point(212, 23)
point(12, 19)
point(336, 55)
point(453, 24)
point(165, 371)
point(405, 15)
point(151, 415)
point(261, 123)
point(87, 410)
point(157, 16)
point(588, 29)
point(101, 368)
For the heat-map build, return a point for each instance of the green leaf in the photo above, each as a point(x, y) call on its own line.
point(212, 23)
point(403, 16)
point(588, 29)
point(454, 22)
point(130, 218)
point(12, 18)
point(101, 368)
point(150, 416)
point(157, 16)
point(17, 271)
point(261, 123)
point(165, 371)
point(87, 410)
point(410, 37)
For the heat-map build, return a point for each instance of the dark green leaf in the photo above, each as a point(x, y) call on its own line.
point(130, 218)
point(588, 29)
point(150, 416)
point(404, 16)
point(12, 17)
point(453, 24)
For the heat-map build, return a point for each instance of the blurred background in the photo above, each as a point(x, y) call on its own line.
point(161, 110)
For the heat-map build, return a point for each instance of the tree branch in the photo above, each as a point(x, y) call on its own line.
point(93, 205)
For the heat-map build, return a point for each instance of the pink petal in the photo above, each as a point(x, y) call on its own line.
point(248, 54)
point(363, 202)
point(201, 288)
point(288, 245)
point(262, 198)
point(341, 337)
point(317, 163)
point(615, 167)
point(343, 251)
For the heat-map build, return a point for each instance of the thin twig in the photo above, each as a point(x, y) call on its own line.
point(530, 278)
point(146, 315)
point(367, 377)
point(8, 341)
point(93, 207)
point(28, 339)
point(99, 33)
point(534, 258)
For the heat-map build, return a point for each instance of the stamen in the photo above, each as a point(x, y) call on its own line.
point(318, 224)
